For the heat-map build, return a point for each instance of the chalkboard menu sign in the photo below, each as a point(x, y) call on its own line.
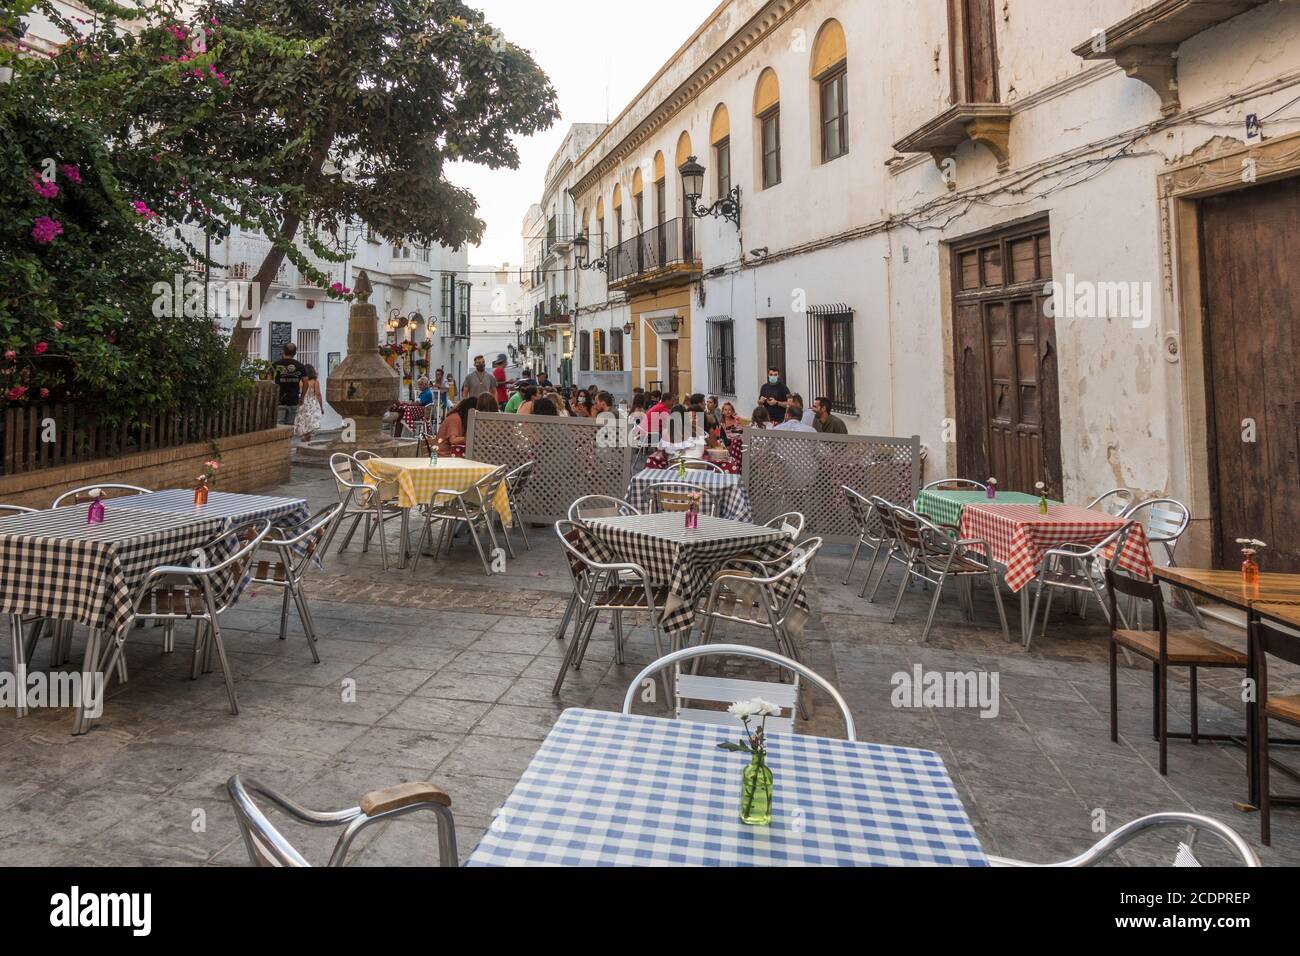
point(281, 335)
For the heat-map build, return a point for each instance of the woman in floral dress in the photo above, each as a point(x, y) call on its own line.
point(309, 406)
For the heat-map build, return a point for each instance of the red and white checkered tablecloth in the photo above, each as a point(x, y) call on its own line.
point(1019, 536)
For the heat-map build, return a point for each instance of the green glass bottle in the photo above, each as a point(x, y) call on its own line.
point(756, 793)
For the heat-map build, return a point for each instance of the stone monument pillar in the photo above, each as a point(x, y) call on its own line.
point(362, 388)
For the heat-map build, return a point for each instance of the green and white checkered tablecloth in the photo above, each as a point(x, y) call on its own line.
point(945, 507)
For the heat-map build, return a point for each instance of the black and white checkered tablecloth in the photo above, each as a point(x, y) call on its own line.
point(287, 515)
point(679, 558)
point(55, 565)
point(733, 501)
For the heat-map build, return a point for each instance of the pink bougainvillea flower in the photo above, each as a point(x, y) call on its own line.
point(41, 348)
point(142, 209)
point(16, 393)
point(43, 188)
point(71, 172)
point(340, 289)
point(10, 355)
point(58, 326)
point(45, 230)
point(178, 32)
point(45, 393)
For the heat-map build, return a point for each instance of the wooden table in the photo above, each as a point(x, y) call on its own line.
point(1278, 593)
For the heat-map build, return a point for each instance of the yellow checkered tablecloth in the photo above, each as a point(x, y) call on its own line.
point(417, 481)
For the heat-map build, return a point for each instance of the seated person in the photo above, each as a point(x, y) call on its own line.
point(794, 421)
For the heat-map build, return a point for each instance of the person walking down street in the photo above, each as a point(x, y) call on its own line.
point(499, 373)
point(827, 423)
point(289, 374)
point(307, 422)
point(480, 381)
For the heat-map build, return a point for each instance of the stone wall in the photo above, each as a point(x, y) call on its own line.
point(250, 462)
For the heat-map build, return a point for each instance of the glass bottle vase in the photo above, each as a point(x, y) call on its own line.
point(756, 793)
point(201, 494)
point(1250, 573)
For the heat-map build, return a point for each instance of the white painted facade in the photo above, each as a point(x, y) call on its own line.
point(1087, 145)
point(496, 304)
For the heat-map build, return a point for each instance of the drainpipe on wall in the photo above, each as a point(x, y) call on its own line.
point(889, 323)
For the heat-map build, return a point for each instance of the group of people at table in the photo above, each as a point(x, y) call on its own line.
point(686, 426)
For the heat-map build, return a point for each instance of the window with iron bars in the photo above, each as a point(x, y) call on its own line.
point(722, 357)
point(831, 366)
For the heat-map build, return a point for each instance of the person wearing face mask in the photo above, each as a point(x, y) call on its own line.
point(480, 381)
point(774, 393)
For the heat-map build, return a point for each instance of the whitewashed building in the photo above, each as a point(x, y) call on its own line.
point(1031, 233)
point(497, 312)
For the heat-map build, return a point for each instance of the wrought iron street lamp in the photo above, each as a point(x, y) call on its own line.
point(581, 249)
point(728, 207)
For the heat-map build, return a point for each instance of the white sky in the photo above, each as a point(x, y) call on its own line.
point(595, 52)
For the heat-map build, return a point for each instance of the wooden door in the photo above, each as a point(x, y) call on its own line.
point(674, 377)
point(1252, 352)
point(1008, 413)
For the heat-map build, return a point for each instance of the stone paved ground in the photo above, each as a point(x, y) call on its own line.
point(453, 675)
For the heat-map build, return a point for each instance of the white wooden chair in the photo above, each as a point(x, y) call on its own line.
point(727, 690)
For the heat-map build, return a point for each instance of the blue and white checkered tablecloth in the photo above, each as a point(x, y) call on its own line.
point(733, 500)
point(609, 789)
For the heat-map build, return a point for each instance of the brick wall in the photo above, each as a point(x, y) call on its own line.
point(252, 462)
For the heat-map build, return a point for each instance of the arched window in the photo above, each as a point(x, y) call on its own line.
point(720, 140)
point(638, 199)
point(767, 112)
point(618, 214)
point(661, 190)
point(830, 74)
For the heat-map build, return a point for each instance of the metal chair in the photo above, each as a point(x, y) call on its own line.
point(1114, 502)
point(761, 594)
point(723, 690)
point(693, 464)
point(884, 512)
point(677, 496)
point(296, 554)
point(791, 523)
point(1269, 640)
point(599, 506)
point(474, 506)
point(516, 482)
point(867, 521)
point(196, 593)
point(362, 495)
point(1075, 568)
point(267, 846)
point(581, 511)
point(1164, 649)
point(933, 555)
point(601, 586)
point(956, 484)
point(1194, 823)
point(1166, 521)
point(81, 496)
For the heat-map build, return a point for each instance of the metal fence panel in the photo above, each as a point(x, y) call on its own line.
point(797, 471)
point(573, 458)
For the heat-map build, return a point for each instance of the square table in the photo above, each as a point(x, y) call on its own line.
point(733, 500)
point(286, 514)
point(418, 482)
point(946, 507)
point(55, 565)
point(609, 789)
point(682, 558)
point(1269, 599)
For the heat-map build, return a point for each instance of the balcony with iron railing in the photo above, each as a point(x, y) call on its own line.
point(664, 255)
point(559, 235)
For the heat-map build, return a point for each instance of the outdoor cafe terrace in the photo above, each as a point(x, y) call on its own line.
point(453, 656)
